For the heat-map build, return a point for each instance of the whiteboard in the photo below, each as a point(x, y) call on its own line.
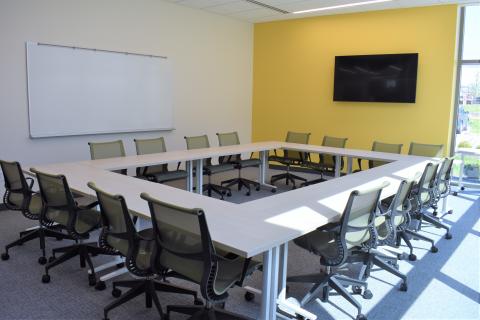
point(76, 91)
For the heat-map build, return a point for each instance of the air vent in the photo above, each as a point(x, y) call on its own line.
point(258, 3)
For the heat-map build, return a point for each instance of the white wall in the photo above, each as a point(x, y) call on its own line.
point(212, 58)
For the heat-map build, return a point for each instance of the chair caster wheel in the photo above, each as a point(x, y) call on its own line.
point(116, 292)
point(92, 280)
point(274, 190)
point(403, 287)
point(434, 249)
point(120, 265)
point(5, 256)
point(462, 188)
point(294, 187)
point(42, 260)
point(361, 317)
point(412, 257)
point(435, 213)
point(100, 286)
point(299, 317)
point(247, 194)
point(448, 236)
point(257, 188)
point(356, 289)
point(450, 212)
point(249, 296)
point(46, 278)
point(58, 238)
point(51, 259)
point(229, 194)
point(198, 302)
point(367, 294)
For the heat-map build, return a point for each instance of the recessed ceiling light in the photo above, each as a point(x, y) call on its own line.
point(342, 6)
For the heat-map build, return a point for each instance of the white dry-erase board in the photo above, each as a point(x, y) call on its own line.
point(76, 91)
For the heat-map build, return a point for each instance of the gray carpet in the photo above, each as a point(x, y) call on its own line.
point(444, 285)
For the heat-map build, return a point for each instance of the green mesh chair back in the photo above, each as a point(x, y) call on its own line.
point(18, 193)
point(104, 150)
point(328, 160)
point(425, 150)
point(228, 139)
point(424, 188)
point(199, 142)
point(384, 147)
point(357, 222)
point(296, 137)
point(148, 146)
point(185, 245)
point(442, 182)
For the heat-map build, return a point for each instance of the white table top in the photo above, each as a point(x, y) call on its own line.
point(253, 227)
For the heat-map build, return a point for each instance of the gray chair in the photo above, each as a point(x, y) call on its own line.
point(339, 243)
point(326, 162)
point(290, 158)
point(156, 173)
point(200, 142)
point(229, 139)
point(425, 150)
point(442, 184)
point(381, 147)
point(186, 248)
point(78, 221)
point(138, 247)
point(109, 149)
point(19, 196)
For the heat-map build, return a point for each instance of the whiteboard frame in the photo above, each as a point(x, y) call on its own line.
point(31, 43)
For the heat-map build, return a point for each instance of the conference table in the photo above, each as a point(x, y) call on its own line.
point(259, 227)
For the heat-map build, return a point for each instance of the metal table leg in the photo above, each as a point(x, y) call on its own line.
point(263, 170)
point(349, 165)
point(338, 163)
point(189, 167)
point(199, 175)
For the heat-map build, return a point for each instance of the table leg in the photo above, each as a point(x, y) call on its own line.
point(199, 175)
point(263, 170)
point(338, 164)
point(349, 165)
point(270, 284)
point(460, 176)
point(189, 168)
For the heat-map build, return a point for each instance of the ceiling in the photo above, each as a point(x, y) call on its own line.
point(270, 10)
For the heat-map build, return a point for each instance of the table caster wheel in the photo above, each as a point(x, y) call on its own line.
point(274, 190)
point(403, 287)
point(247, 194)
point(448, 236)
point(5, 256)
point(100, 286)
point(361, 317)
point(42, 260)
point(434, 249)
point(116, 292)
point(46, 278)
point(412, 257)
point(249, 296)
point(356, 289)
point(367, 294)
point(257, 188)
point(450, 212)
point(92, 280)
point(51, 259)
point(229, 194)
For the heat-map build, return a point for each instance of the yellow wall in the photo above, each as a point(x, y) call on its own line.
point(294, 67)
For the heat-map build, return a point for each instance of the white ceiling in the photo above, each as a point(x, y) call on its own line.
point(249, 11)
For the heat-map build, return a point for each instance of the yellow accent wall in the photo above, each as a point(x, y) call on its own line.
point(294, 70)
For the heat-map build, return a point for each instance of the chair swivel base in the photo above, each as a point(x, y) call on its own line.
point(41, 233)
point(323, 283)
point(210, 188)
point(146, 286)
point(241, 182)
point(289, 177)
point(83, 250)
point(204, 313)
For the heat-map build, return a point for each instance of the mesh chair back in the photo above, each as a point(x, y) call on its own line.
point(358, 217)
point(296, 137)
point(103, 150)
point(328, 160)
point(228, 139)
point(199, 142)
point(425, 150)
point(184, 241)
point(426, 184)
point(148, 146)
point(443, 177)
point(383, 147)
point(17, 191)
point(116, 220)
point(55, 191)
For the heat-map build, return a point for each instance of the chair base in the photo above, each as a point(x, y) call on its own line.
point(289, 177)
point(149, 287)
point(38, 233)
point(241, 182)
point(204, 313)
point(210, 188)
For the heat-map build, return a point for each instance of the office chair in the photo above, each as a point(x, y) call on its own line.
point(19, 196)
point(290, 158)
point(109, 149)
point(185, 248)
point(78, 221)
point(326, 161)
point(339, 243)
point(138, 247)
point(425, 150)
point(228, 139)
point(381, 147)
point(209, 169)
point(442, 184)
point(156, 173)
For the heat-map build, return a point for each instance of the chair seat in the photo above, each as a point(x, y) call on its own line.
point(87, 220)
point(284, 160)
point(321, 243)
point(170, 175)
point(219, 168)
point(249, 163)
point(35, 206)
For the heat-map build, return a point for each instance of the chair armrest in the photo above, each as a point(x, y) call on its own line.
point(331, 227)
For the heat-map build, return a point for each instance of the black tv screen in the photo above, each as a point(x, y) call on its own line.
point(376, 78)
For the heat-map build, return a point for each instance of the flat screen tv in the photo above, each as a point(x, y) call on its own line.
point(376, 78)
